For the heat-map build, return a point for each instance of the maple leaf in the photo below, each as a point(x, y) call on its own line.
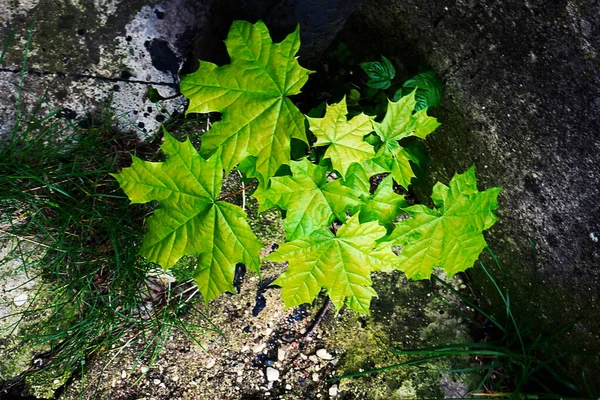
point(449, 236)
point(340, 263)
point(344, 138)
point(400, 122)
point(192, 219)
point(383, 206)
point(310, 200)
point(258, 119)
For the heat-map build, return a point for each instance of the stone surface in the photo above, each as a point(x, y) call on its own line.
point(23, 301)
point(94, 57)
point(522, 102)
point(320, 22)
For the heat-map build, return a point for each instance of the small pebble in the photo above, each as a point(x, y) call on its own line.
point(272, 374)
point(144, 370)
point(20, 299)
point(315, 377)
point(323, 354)
point(333, 391)
point(211, 363)
point(313, 358)
point(123, 374)
point(157, 382)
point(288, 387)
point(259, 347)
point(303, 356)
point(280, 354)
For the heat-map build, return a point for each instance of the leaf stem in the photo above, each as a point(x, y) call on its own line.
point(319, 319)
point(227, 196)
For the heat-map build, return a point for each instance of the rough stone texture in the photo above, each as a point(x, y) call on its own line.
point(19, 292)
point(320, 22)
point(85, 56)
point(522, 102)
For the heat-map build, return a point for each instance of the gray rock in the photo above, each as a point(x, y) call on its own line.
point(522, 88)
point(91, 57)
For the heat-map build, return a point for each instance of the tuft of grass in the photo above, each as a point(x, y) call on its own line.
point(509, 360)
point(82, 239)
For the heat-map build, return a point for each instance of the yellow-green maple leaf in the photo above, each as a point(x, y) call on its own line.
point(192, 219)
point(341, 263)
point(449, 236)
point(310, 200)
point(258, 119)
point(383, 206)
point(344, 138)
point(400, 122)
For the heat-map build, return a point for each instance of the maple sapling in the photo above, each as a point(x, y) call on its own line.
point(338, 230)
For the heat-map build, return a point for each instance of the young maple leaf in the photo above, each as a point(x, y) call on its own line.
point(192, 220)
point(251, 94)
point(449, 236)
point(311, 202)
point(342, 264)
point(344, 138)
point(382, 206)
point(400, 122)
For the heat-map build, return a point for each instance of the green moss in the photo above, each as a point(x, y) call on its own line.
point(407, 315)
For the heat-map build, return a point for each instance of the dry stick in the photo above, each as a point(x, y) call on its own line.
point(319, 319)
point(250, 186)
point(28, 240)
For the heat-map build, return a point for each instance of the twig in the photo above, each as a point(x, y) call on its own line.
point(242, 190)
point(28, 240)
point(243, 193)
point(319, 319)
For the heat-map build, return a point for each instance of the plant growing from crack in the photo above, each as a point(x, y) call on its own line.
point(338, 230)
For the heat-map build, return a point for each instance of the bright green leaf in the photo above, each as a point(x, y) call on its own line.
point(449, 236)
point(429, 90)
point(258, 119)
point(342, 264)
point(191, 220)
point(379, 73)
point(383, 206)
point(310, 200)
point(344, 138)
point(399, 123)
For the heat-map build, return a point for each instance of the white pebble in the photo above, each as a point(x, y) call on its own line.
point(272, 374)
point(315, 377)
point(20, 299)
point(323, 354)
point(144, 370)
point(157, 382)
point(288, 387)
point(333, 391)
point(280, 354)
point(123, 374)
point(211, 363)
point(259, 347)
